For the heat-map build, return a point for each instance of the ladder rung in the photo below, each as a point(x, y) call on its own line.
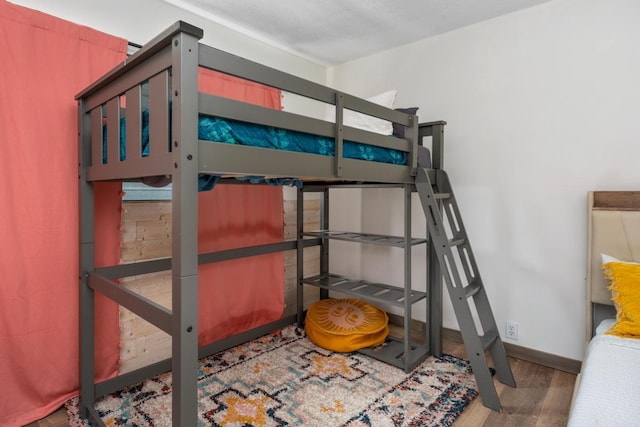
point(473, 288)
point(442, 195)
point(489, 338)
point(457, 242)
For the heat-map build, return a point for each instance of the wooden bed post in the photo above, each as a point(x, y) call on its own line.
point(407, 347)
point(184, 265)
point(434, 273)
point(87, 264)
point(324, 247)
point(436, 131)
point(299, 257)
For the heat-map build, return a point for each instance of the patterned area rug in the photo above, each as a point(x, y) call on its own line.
point(282, 379)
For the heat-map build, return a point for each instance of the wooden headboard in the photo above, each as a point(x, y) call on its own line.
point(614, 229)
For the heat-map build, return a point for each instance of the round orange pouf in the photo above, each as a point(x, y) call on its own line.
point(344, 325)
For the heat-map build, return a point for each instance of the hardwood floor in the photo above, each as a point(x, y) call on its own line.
point(542, 398)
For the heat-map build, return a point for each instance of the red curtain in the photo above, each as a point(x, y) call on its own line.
point(238, 295)
point(45, 62)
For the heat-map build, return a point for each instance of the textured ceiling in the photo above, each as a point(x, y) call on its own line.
point(332, 32)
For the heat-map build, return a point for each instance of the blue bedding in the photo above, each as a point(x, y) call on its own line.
point(235, 132)
point(243, 133)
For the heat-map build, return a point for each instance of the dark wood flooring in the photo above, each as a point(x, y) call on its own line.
point(542, 397)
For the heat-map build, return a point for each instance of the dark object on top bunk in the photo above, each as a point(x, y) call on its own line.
point(398, 130)
point(156, 181)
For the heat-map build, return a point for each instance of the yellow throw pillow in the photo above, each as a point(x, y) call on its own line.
point(625, 289)
point(344, 325)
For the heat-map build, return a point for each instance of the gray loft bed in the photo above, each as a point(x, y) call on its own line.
point(165, 72)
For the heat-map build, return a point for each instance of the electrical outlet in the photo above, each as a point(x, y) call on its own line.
point(511, 330)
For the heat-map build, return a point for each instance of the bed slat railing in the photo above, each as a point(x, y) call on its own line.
point(106, 95)
point(435, 130)
point(411, 134)
point(231, 159)
point(133, 117)
point(113, 130)
point(159, 113)
point(153, 50)
point(134, 76)
point(227, 63)
point(96, 136)
point(131, 169)
point(339, 135)
point(120, 95)
point(130, 105)
point(217, 106)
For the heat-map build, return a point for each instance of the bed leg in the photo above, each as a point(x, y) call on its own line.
point(184, 262)
point(434, 301)
point(185, 350)
point(86, 261)
point(87, 322)
point(299, 257)
point(324, 249)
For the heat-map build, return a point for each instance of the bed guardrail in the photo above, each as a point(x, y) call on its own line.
point(144, 83)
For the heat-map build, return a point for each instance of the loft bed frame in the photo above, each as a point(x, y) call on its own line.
point(168, 66)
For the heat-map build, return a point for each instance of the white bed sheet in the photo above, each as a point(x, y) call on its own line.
point(609, 389)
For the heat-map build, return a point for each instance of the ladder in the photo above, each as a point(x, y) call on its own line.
point(464, 291)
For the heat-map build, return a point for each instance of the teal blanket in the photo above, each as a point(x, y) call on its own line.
point(242, 133)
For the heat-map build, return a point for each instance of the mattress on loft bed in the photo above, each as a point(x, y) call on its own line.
point(250, 134)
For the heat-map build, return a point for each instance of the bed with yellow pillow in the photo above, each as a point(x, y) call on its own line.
point(608, 388)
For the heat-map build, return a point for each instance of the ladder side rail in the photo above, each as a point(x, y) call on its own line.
point(454, 216)
point(462, 249)
point(468, 330)
point(407, 279)
point(324, 248)
point(435, 226)
point(480, 297)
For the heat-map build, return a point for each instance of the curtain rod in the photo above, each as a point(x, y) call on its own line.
point(132, 48)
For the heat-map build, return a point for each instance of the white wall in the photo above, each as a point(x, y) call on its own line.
point(542, 105)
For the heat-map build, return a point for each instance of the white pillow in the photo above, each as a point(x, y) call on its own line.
point(608, 258)
point(362, 121)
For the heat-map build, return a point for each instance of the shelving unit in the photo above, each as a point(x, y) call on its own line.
point(400, 352)
point(371, 291)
